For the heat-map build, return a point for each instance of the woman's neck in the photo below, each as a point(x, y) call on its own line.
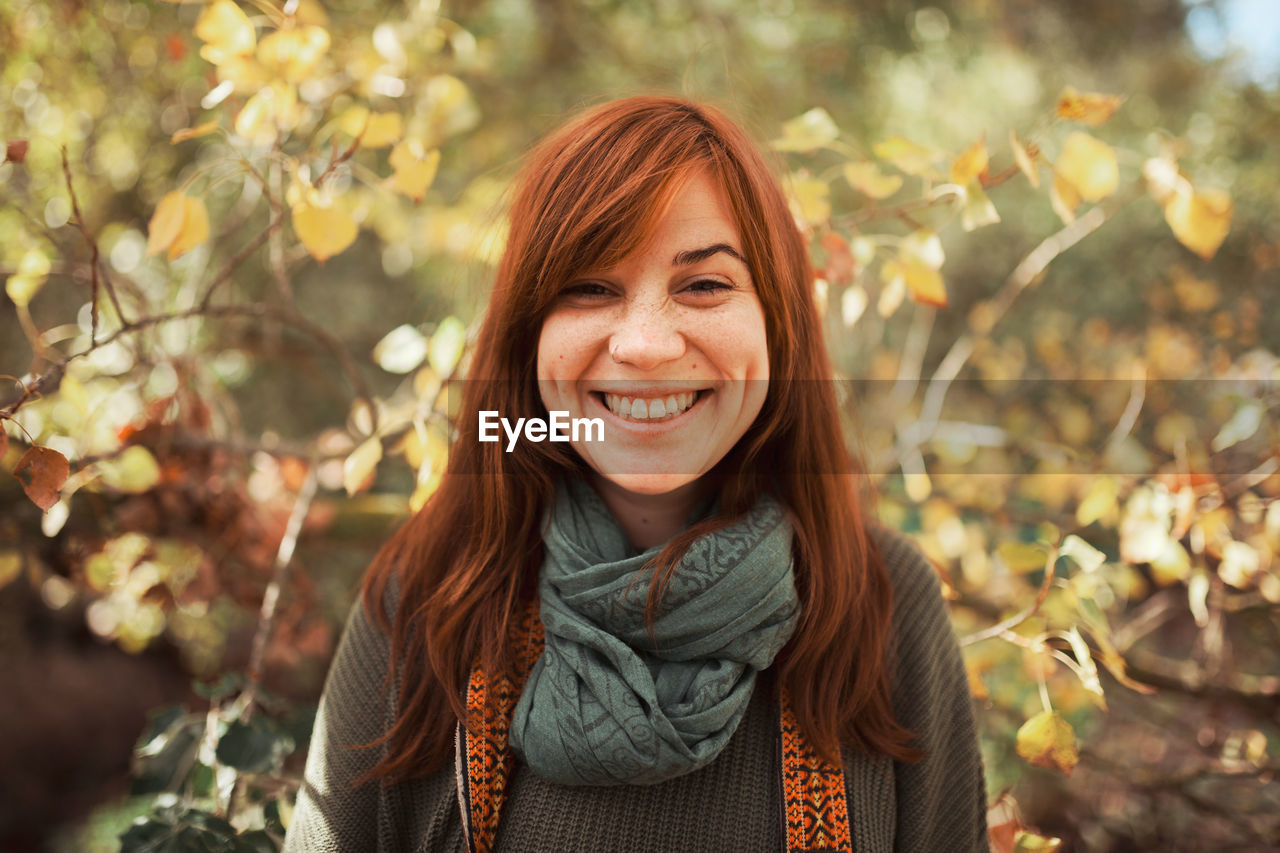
point(649, 520)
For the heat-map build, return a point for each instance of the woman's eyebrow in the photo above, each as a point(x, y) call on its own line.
point(693, 256)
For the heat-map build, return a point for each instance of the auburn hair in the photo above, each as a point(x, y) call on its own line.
point(467, 562)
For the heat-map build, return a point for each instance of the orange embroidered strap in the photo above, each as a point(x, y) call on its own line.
point(815, 814)
point(487, 759)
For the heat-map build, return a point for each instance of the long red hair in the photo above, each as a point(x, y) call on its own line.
point(468, 561)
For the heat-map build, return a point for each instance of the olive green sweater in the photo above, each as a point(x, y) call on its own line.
point(733, 804)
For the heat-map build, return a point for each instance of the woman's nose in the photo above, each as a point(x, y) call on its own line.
point(647, 338)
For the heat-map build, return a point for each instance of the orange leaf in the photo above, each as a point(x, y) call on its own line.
point(15, 151)
point(4, 443)
point(42, 471)
point(1091, 108)
point(840, 264)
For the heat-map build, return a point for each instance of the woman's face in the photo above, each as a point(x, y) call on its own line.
point(668, 349)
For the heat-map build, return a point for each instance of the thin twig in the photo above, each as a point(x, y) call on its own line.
point(288, 318)
point(1024, 614)
point(238, 258)
point(1024, 274)
point(94, 262)
point(270, 598)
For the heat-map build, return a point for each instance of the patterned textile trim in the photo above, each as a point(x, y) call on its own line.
point(487, 759)
point(817, 813)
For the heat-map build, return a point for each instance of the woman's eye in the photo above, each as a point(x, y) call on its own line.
point(708, 285)
point(586, 290)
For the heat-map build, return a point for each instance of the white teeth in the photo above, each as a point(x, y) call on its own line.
point(657, 409)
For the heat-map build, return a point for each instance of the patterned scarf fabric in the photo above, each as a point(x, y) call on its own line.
point(609, 702)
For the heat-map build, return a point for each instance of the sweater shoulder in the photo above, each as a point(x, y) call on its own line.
point(915, 582)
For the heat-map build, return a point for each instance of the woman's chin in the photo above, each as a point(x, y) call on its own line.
point(648, 483)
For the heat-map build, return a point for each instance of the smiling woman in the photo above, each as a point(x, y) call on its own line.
point(690, 635)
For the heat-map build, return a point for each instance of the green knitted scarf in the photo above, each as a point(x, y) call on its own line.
point(608, 702)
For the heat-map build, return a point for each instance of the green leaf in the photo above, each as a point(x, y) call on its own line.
point(166, 752)
point(253, 747)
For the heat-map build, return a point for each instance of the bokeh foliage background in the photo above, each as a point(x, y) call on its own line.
point(1120, 535)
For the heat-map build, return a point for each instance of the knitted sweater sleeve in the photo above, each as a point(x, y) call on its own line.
point(941, 799)
point(332, 815)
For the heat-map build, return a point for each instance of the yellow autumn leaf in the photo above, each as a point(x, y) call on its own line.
point(1172, 564)
point(324, 231)
point(1024, 156)
point(413, 169)
point(910, 157)
point(179, 224)
point(294, 52)
point(1047, 740)
point(358, 468)
point(166, 222)
point(194, 230)
point(1091, 108)
point(1099, 501)
point(1065, 198)
point(971, 164)
point(922, 281)
point(866, 178)
point(226, 31)
point(1200, 219)
point(1023, 557)
point(977, 210)
point(32, 271)
point(271, 109)
point(186, 133)
point(811, 196)
point(376, 130)
point(1090, 166)
point(1029, 842)
point(807, 132)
